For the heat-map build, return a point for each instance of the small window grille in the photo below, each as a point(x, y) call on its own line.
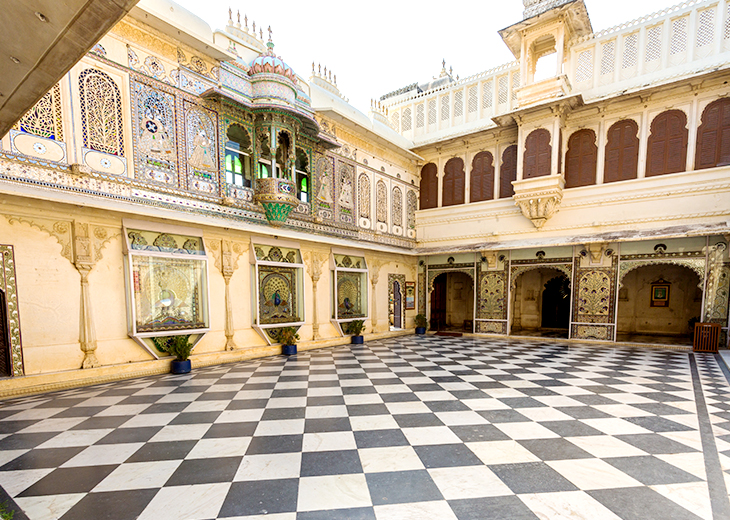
point(608, 57)
point(101, 112)
point(473, 103)
point(515, 84)
point(45, 119)
point(419, 116)
point(654, 43)
point(727, 23)
point(459, 103)
point(503, 87)
point(394, 120)
point(406, 121)
point(584, 71)
point(445, 108)
point(432, 112)
point(487, 94)
point(706, 27)
point(679, 36)
point(630, 51)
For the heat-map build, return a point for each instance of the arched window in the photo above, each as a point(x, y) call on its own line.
point(101, 112)
point(302, 167)
point(713, 136)
point(429, 186)
point(381, 202)
point(667, 145)
point(238, 156)
point(406, 120)
point(454, 182)
point(364, 195)
point(481, 184)
point(622, 151)
point(265, 166)
point(537, 154)
point(508, 172)
point(397, 209)
point(580, 159)
point(45, 119)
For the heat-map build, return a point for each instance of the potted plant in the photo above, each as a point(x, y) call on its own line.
point(355, 328)
point(288, 337)
point(178, 346)
point(421, 324)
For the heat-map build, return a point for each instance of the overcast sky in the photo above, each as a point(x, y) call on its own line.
point(378, 46)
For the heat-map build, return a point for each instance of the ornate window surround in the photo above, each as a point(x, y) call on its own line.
point(143, 338)
point(337, 268)
point(256, 265)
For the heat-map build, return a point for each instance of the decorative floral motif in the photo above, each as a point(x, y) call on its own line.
point(200, 139)
point(492, 291)
point(8, 285)
point(381, 202)
point(397, 206)
point(364, 195)
point(155, 135)
point(412, 206)
point(345, 198)
point(594, 289)
point(101, 112)
point(44, 119)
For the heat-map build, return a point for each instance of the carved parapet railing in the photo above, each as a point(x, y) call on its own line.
point(539, 198)
point(278, 198)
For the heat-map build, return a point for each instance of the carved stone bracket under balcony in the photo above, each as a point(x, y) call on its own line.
point(277, 197)
point(539, 198)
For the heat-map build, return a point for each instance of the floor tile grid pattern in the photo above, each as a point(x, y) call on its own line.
point(413, 427)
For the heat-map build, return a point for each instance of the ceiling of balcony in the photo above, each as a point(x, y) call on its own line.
point(40, 40)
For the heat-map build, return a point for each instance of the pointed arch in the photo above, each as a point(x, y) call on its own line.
point(580, 159)
point(667, 145)
point(429, 186)
point(101, 112)
point(508, 172)
point(622, 151)
point(454, 182)
point(481, 183)
point(537, 154)
point(713, 136)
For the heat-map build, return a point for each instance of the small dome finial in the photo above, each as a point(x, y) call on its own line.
point(270, 33)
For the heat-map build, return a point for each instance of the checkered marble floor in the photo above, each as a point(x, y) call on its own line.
point(407, 428)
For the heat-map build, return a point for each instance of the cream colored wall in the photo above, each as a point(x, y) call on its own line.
point(691, 199)
point(48, 295)
point(635, 315)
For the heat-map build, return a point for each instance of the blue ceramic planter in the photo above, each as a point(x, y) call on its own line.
point(288, 350)
point(180, 367)
point(357, 340)
point(420, 330)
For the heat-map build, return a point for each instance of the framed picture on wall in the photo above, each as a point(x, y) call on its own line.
point(660, 294)
point(410, 295)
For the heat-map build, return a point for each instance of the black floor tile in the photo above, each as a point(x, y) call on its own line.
point(479, 433)
point(42, 458)
point(641, 503)
point(492, 508)
point(447, 456)
point(203, 471)
point(153, 451)
point(275, 444)
point(320, 463)
point(116, 505)
point(401, 487)
point(69, 480)
point(380, 438)
point(532, 477)
point(655, 444)
point(651, 471)
point(262, 497)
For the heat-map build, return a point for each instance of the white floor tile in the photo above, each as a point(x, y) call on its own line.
point(333, 492)
point(468, 482)
point(397, 458)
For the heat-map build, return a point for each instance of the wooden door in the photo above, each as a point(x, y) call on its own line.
point(5, 365)
point(397, 306)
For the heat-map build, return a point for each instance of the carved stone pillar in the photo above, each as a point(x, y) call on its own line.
point(226, 255)
point(314, 263)
point(374, 267)
point(84, 263)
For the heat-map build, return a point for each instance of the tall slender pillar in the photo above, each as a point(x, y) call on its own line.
point(84, 263)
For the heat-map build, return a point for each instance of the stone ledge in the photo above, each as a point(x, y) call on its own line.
point(40, 383)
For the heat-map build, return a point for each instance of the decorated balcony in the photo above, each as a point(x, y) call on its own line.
point(278, 198)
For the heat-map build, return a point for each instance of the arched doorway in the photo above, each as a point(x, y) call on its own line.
point(5, 365)
point(452, 302)
point(397, 306)
point(541, 303)
point(659, 304)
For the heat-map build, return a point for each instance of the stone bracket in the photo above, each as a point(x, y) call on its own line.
point(539, 198)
